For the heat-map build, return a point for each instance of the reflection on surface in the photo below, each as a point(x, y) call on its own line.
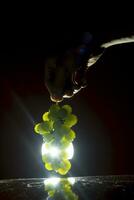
point(82, 188)
point(60, 188)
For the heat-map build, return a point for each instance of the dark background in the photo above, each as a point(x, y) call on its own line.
point(105, 132)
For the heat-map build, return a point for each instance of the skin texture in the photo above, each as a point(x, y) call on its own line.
point(64, 76)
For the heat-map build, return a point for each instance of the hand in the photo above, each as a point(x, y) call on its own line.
point(66, 75)
point(63, 76)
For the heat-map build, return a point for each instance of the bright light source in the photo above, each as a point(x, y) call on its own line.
point(71, 180)
point(70, 151)
point(53, 151)
point(53, 181)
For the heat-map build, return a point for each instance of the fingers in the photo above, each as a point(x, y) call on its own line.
point(51, 77)
point(62, 79)
point(58, 80)
point(55, 98)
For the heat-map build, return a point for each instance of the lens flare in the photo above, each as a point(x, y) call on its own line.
point(71, 180)
point(52, 181)
point(54, 151)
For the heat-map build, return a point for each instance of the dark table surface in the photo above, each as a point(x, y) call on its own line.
point(92, 188)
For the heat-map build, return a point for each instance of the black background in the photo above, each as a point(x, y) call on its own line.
point(105, 132)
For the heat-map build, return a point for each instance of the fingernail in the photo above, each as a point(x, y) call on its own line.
point(56, 98)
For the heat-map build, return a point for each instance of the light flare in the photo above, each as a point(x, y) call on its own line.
point(54, 151)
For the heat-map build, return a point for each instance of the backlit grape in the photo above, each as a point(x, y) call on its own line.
point(57, 137)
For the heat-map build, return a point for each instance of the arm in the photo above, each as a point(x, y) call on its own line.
point(65, 76)
point(109, 42)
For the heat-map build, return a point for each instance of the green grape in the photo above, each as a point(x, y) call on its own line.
point(59, 132)
point(48, 137)
point(40, 129)
point(36, 128)
point(45, 116)
point(64, 143)
point(65, 166)
point(61, 171)
point(49, 187)
point(43, 127)
point(56, 132)
point(57, 125)
point(71, 120)
point(48, 166)
point(64, 130)
point(55, 164)
point(62, 114)
point(64, 155)
point(51, 193)
point(71, 195)
point(53, 113)
point(48, 125)
point(70, 136)
point(54, 108)
point(61, 192)
point(46, 159)
point(67, 108)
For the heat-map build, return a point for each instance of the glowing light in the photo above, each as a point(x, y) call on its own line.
point(70, 151)
point(71, 180)
point(52, 181)
point(44, 150)
point(53, 151)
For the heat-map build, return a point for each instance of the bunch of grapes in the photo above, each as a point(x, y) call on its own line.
point(57, 137)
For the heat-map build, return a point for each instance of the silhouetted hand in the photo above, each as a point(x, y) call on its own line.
point(66, 75)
